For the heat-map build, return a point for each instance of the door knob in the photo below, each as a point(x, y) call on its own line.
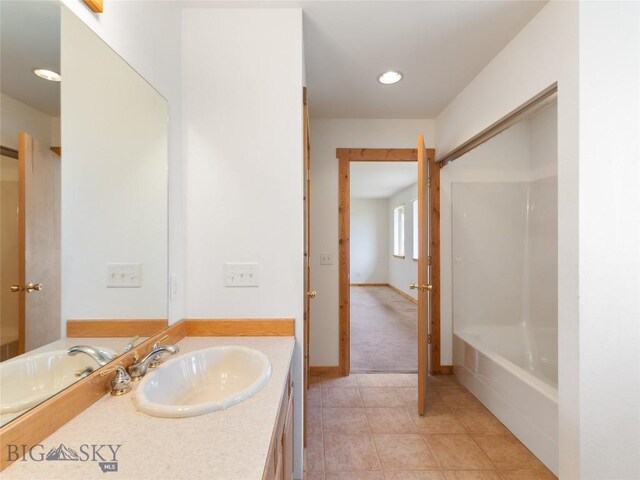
point(415, 286)
point(311, 294)
point(29, 287)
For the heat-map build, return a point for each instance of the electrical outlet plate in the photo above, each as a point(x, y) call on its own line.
point(326, 259)
point(124, 275)
point(240, 274)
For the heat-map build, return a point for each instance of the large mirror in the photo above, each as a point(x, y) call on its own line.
point(83, 204)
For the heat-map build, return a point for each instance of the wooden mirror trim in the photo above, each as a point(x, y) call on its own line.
point(95, 6)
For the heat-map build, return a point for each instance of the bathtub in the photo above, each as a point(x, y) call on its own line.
point(513, 372)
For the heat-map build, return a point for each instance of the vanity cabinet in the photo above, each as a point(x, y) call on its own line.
point(279, 464)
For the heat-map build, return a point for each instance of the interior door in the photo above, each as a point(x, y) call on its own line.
point(423, 286)
point(39, 245)
point(308, 293)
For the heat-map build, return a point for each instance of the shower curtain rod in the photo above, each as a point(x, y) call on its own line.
point(527, 109)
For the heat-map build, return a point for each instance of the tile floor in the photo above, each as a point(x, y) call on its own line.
point(365, 427)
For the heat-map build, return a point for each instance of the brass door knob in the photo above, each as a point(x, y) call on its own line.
point(311, 294)
point(415, 286)
point(30, 287)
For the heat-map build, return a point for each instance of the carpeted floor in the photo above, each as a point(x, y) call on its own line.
point(383, 331)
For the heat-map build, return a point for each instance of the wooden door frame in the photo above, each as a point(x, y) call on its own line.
point(16, 154)
point(345, 157)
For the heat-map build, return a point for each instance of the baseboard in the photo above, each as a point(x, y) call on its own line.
point(404, 294)
point(325, 371)
point(369, 284)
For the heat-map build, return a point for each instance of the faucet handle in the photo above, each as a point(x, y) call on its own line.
point(156, 359)
point(121, 382)
point(162, 339)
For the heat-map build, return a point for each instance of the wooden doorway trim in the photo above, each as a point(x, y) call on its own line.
point(345, 157)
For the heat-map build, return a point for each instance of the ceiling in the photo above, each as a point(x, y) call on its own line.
point(30, 38)
point(381, 179)
point(439, 46)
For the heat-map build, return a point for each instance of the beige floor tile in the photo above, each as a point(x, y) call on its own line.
point(349, 381)
point(363, 475)
point(314, 453)
point(458, 451)
point(529, 475)
point(314, 395)
point(390, 420)
point(433, 400)
point(387, 380)
point(348, 452)
point(457, 397)
point(390, 397)
point(507, 453)
point(437, 420)
point(404, 452)
point(341, 397)
point(313, 476)
point(471, 475)
point(478, 420)
point(415, 475)
point(382, 397)
point(345, 420)
point(314, 420)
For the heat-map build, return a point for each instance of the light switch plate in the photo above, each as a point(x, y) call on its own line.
point(326, 259)
point(124, 275)
point(240, 274)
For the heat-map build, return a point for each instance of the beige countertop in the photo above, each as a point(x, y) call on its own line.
point(228, 445)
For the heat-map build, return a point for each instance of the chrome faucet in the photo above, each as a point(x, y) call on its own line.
point(98, 355)
point(138, 369)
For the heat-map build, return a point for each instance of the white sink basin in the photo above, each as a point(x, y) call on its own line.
point(29, 380)
point(203, 381)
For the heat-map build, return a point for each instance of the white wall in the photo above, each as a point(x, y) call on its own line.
point(114, 181)
point(609, 247)
point(151, 44)
point(16, 117)
point(369, 241)
point(403, 271)
point(326, 136)
point(242, 92)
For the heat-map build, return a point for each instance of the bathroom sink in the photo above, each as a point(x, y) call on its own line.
point(29, 380)
point(203, 381)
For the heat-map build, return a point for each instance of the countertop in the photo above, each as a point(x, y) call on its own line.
point(227, 445)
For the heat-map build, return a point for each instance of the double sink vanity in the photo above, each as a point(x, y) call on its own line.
point(219, 407)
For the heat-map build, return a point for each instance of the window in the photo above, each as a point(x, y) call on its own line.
point(398, 231)
point(415, 229)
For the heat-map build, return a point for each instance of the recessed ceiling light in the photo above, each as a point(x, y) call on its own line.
point(390, 77)
point(47, 74)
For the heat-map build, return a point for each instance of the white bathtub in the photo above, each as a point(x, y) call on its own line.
point(513, 372)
